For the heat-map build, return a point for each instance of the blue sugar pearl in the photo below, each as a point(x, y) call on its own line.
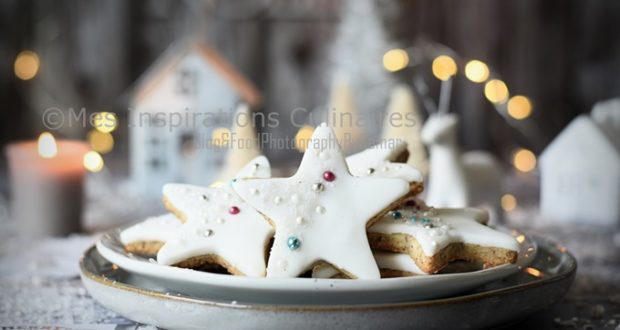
point(396, 215)
point(293, 243)
point(414, 219)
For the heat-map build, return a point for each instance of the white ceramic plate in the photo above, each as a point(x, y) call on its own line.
point(307, 291)
point(537, 286)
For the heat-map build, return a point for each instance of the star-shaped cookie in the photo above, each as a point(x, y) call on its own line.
point(381, 161)
point(321, 213)
point(219, 227)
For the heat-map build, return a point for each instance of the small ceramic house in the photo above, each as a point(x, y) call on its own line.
point(187, 94)
point(580, 173)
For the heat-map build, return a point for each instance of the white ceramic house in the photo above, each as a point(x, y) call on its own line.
point(580, 173)
point(190, 78)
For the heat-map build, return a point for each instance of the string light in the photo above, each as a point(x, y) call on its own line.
point(26, 65)
point(105, 122)
point(220, 136)
point(476, 71)
point(519, 107)
point(395, 59)
point(100, 142)
point(524, 160)
point(444, 67)
point(496, 91)
point(93, 161)
point(508, 202)
point(302, 138)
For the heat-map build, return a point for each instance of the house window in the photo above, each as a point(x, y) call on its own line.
point(187, 144)
point(187, 82)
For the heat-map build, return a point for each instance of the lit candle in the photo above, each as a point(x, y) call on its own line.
point(47, 185)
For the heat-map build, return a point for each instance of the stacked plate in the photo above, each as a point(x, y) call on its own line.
point(170, 297)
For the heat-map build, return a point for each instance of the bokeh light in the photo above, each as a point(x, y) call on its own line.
point(26, 65)
point(104, 121)
point(302, 137)
point(220, 136)
point(524, 160)
point(519, 107)
point(395, 59)
point(100, 142)
point(508, 202)
point(496, 91)
point(93, 161)
point(476, 71)
point(444, 67)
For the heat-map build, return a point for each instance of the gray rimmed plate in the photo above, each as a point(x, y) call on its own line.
point(537, 286)
point(315, 291)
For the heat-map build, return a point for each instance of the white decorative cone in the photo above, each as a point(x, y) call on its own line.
point(403, 103)
point(244, 146)
point(343, 115)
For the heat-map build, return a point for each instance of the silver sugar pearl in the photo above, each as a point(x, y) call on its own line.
point(318, 187)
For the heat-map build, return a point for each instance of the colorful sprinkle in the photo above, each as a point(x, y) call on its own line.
point(293, 243)
point(396, 215)
point(234, 210)
point(329, 176)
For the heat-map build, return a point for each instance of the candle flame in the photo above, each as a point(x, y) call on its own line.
point(47, 145)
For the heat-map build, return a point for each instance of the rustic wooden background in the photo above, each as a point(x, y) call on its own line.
point(564, 54)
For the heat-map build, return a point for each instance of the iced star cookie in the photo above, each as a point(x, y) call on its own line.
point(386, 161)
point(175, 198)
point(148, 236)
point(321, 213)
point(218, 227)
point(433, 238)
point(390, 265)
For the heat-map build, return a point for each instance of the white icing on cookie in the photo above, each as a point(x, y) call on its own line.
point(385, 260)
point(436, 228)
point(218, 222)
point(321, 212)
point(377, 161)
point(160, 228)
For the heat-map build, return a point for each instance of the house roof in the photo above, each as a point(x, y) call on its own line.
point(175, 53)
point(581, 125)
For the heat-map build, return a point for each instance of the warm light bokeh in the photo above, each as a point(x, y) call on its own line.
point(496, 91)
point(508, 202)
point(220, 136)
point(100, 142)
point(26, 65)
point(524, 160)
point(93, 161)
point(104, 121)
point(444, 67)
point(519, 107)
point(476, 71)
point(46, 145)
point(302, 137)
point(395, 59)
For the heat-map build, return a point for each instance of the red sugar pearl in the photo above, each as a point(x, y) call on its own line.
point(329, 176)
point(234, 210)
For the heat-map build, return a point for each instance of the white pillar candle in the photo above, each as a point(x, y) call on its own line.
point(46, 180)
